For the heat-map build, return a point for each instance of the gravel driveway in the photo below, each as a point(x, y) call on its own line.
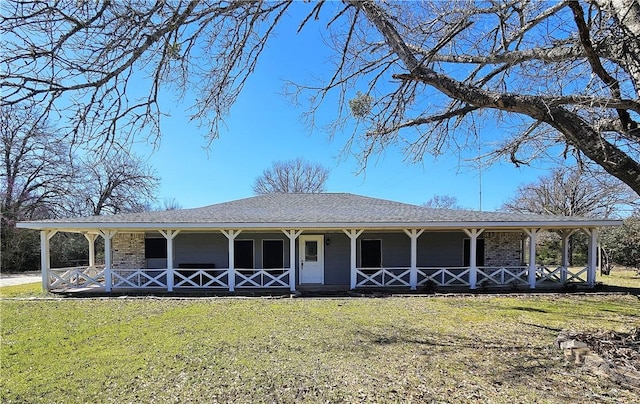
point(19, 278)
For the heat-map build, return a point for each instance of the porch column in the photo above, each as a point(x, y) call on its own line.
point(473, 251)
point(413, 274)
point(91, 238)
point(533, 236)
point(45, 256)
point(169, 235)
point(353, 235)
point(231, 276)
point(592, 258)
point(107, 235)
point(293, 235)
point(566, 234)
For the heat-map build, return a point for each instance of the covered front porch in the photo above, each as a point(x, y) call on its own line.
point(400, 258)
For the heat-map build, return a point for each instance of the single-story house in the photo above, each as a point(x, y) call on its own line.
point(316, 241)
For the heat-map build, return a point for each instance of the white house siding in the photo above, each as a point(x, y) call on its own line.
point(503, 249)
point(127, 251)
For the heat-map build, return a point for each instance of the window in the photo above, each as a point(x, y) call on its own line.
point(272, 254)
point(243, 253)
point(479, 252)
point(311, 251)
point(155, 247)
point(371, 253)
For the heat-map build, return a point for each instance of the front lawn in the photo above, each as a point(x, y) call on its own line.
point(623, 277)
point(420, 349)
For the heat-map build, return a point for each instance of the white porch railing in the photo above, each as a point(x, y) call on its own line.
point(561, 275)
point(76, 277)
point(201, 278)
point(262, 278)
point(452, 276)
point(94, 277)
point(367, 277)
point(139, 278)
point(83, 277)
point(459, 276)
point(488, 276)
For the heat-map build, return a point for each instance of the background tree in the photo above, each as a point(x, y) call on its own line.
point(443, 202)
point(117, 183)
point(39, 179)
point(292, 176)
point(571, 191)
point(33, 182)
point(560, 78)
point(170, 204)
point(35, 166)
point(623, 243)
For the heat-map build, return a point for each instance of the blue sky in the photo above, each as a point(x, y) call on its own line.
point(264, 126)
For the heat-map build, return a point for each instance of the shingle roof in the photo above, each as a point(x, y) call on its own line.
point(303, 210)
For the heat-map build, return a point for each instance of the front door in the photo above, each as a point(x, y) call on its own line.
point(311, 259)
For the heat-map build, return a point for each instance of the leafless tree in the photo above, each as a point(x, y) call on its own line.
point(117, 183)
point(33, 179)
point(572, 191)
point(443, 202)
point(170, 204)
point(560, 78)
point(292, 176)
point(35, 166)
point(42, 177)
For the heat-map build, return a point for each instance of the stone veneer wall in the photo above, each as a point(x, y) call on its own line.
point(502, 249)
point(127, 251)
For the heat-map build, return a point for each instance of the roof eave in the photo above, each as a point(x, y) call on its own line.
point(83, 226)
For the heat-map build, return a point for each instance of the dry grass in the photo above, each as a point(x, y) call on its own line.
point(419, 349)
point(621, 277)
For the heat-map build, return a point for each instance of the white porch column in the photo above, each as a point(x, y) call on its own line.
point(45, 256)
point(231, 276)
point(293, 235)
point(353, 235)
point(107, 235)
point(413, 274)
point(91, 238)
point(566, 234)
point(592, 258)
point(169, 235)
point(533, 236)
point(473, 251)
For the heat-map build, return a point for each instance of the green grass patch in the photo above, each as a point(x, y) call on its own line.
point(24, 290)
point(448, 349)
point(624, 278)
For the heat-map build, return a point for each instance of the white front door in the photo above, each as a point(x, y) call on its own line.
point(311, 259)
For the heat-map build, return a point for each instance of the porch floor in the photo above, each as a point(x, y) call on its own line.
point(327, 290)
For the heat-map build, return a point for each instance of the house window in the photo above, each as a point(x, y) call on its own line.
point(371, 253)
point(155, 248)
point(272, 254)
point(243, 254)
point(479, 252)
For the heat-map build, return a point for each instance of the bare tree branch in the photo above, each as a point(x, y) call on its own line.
point(570, 70)
point(292, 176)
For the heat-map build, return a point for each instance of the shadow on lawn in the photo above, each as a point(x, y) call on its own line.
point(394, 335)
point(494, 359)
